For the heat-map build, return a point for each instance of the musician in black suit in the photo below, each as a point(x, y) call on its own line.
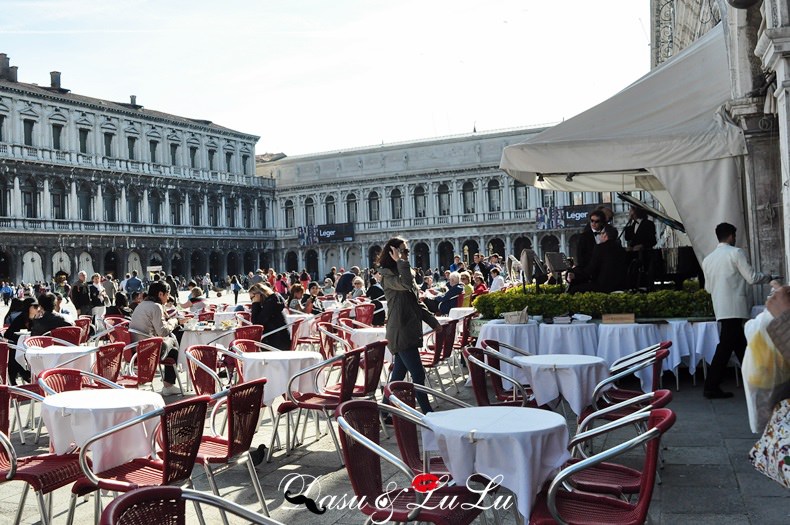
point(605, 271)
point(640, 238)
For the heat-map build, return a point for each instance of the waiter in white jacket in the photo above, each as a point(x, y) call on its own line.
point(728, 276)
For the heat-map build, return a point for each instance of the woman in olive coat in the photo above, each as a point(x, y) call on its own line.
point(405, 315)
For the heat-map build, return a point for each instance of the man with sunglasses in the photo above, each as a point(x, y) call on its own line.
point(606, 267)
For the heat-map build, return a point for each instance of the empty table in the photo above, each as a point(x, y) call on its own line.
point(203, 337)
point(524, 336)
point(619, 340)
point(74, 417)
point(522, 447)
point(573, 338)
point(55, 356)
point(573, 377)
point(278, 368)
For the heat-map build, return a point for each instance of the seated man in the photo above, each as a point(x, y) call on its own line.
point(150, 318)
point(49, 319)
point(443, 303)
point(607, 268)
point(497, 281)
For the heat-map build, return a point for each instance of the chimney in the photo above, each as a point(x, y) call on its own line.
point(133, 99)
point(54, 79)
point(12, 74)
point(4, 62)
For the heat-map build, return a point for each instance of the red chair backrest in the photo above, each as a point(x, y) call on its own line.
point(441, 332)
point(3, 368)
point(64, 379)
point(295, 327)
point(85, 324)
point(327, 344)
point(372, 363)
point(148, 352)
point(72, 334)
point(345, 312)
point(5, 413)
point(478, 376)
point(108, 361)
point(364, 313)
point(203, 382)
point(405, 431)
point(244, 407)
point(460, 302)
point(363, 465)
point(206, 315)
point(661, 419)
point(180, 431)
point(245, 345)
point(247, 316)
point(349, 369)
point(250, 331)
point(39, 341)
point(449, 338)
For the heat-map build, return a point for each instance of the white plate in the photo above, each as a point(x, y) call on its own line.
point(581, 318)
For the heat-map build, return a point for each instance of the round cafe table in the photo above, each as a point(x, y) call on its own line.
point(55, 356)
point(75, 416)
point(573, 377)
point(574, 338)
point(619, 340)
point(524, 336)
point(522, 447)
point(278, 368)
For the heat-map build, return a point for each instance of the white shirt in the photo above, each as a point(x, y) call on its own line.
point(728, 275)
point(497, 283)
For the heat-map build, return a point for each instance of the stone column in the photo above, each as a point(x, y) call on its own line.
point(123, 207)
point(98, 206)
point(146, 212)
point(73, 202)
point(46, 209)
point(166, 217)
point(16, 201)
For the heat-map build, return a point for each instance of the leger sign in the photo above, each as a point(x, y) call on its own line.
point(335, 232)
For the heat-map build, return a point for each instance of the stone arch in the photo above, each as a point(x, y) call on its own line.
point(422, 256)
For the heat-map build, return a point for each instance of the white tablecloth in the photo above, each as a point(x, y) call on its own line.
point(619, 340)
point(523, 446)
point(74, 417)
point(277, 368)
point(203, 337)
point(678, 331)
point(573, 377)
point(304, 328)
point(524, 336)
point(463, 311)
point(41, 359)
point(224, 316)
point(706, 338)
point(574, 338)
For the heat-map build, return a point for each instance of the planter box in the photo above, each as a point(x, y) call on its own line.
point(618, 318)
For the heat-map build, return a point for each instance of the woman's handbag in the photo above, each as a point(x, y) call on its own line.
point(771, 454)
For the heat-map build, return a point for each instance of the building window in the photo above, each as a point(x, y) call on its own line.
point(245, 162)
point(373, 206)
point(396, 203)
point(28, 203)
point(4, 190)
point(175, 213)
point(230, 213)
point(605, 197)
point(194, 210)
point(84, 202)
point(468, 197)
point(494, 196)
point(133, 206)
point(154, 208)
point(289, 214)
point(152, 147)
point(213, 213)
point(193, 157)
point(519, 195)
point(309, 212)
point(261, 214)
point(576, 198)
point(58, 195)
point(547, 198)
point(211, 154)
point(420, 201)
point(444, 199)
point(2, 135)
point(247, 214)
point(28, 128)
point(173, 154)
point(108, 197)
point(351, 208)
point(57, 131)
point(108, 144)
point(131, 142)
point(84, 134)
point(228, 161)
point(330, 210)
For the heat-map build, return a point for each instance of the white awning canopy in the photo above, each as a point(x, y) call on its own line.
point(667, 133)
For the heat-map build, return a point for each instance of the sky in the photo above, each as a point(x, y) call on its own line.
point(309, 76)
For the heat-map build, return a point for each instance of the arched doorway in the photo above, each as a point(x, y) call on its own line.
point(214, 266)
point(61, 263)
point(32, 270)
point(354, 258)
point(422, 256)
point(521, 244)
point(233, 263)
point(177, 265)
point(373, 255)
point(549, 243)
point(311, 263)
point(445, 253)
point(497, 246)
point(196, 266)
point(331, 259)
point(468, 250)
point(111, 264)
point(291, 262)
point(250, 262)
point(5, 266)
point(85, 264)
point(133, 264)
point(156, 259)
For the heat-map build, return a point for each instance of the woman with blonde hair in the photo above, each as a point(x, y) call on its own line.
point(466, 281)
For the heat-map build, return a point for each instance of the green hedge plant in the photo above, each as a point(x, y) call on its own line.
point(550, 301)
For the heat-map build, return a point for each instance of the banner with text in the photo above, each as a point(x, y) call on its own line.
point(560, 217)
point(326, 233)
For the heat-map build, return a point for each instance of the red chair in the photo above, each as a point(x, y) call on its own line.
point(149, 505)
point(41, 341)
point(84, 322)
point(180, 431)
point(16, 398)
point(45, 473)
point(243, 406)
point(295, 327)
point(250, 331)
point(206, 315)
point(479, 369)
point(72, 334)
point(493, 358)
point(371, 365)
point(363, 313)
point(557, 505)
point(460, 302)
point(202, 367)
point(246, 316)
point(108, 361)
point(313, 339)
point(56, 380)
point(435, 353)
point(359, 434)
point(146, 358)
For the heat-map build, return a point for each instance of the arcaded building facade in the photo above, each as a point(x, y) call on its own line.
point(95, 185)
